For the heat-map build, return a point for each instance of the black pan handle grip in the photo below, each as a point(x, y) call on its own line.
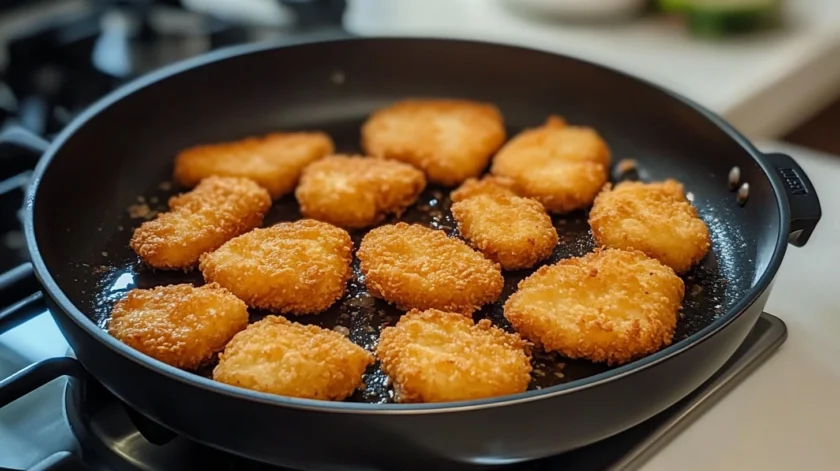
point(34, 376)
point(804, 204)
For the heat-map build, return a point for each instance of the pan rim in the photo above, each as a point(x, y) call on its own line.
point(69, 309)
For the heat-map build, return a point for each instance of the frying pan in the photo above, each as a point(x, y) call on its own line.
point(119, 153)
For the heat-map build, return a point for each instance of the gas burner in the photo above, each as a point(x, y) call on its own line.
point(116, 439)
point(62, 63)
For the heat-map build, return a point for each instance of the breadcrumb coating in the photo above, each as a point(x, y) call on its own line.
point(609, 306)
point(280, 357)
point(297, 267)
point(200, 221)
point(355, 192)
point(274, 161)
point(450, 140)
point(655, 218)
point(563, 167)
point(516, 232)
point(436, 356)
point(416, 267)
point(180, 325)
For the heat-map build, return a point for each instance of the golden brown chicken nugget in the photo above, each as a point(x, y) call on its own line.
point(450, 140)
point(436, 356)
point(655, 218)
point(563, 167)
point(178, 324)
point(297, 267)
point(516, 232)
point(487, 185)
point(200, 221)
point(274, 160)
point(416, 267)
point(290, 359)
point(355, 191)
point(609, 306)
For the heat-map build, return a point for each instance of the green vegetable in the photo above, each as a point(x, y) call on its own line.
point(674, 6)
point(713, 18)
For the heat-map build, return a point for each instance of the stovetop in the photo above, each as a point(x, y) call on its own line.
point(51, 70)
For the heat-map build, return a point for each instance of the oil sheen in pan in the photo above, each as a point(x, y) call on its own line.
point(360, 316)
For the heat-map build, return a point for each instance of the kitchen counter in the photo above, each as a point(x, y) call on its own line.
point(765, 84)
point(785, 415)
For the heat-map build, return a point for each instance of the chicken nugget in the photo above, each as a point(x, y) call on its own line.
point(655, 218)
point(274, 160)
point(513, 231)
point(416, 267)
point(276, 356)
point(200, 221)
point(297, 267)
point(355, 191)
point(609, 306)
point(436, 356)
point(180, 325)
point(450, 140)
point(563, 167)
point(487, 185)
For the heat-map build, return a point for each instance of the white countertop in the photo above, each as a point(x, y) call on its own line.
point(765, 84)
point(785, 415)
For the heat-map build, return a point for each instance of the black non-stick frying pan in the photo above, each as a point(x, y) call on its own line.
point(120, 153)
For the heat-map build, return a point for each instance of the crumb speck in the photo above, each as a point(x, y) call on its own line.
point(338, 77)
point(139, 211)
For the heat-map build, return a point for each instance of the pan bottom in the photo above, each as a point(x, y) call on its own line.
point(361, 316)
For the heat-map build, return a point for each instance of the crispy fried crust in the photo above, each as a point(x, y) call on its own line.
point(200, 221)
point(513, 231)
point(436, 356)
point(274, 160)
point(450, 140)
point(355, 191)
point(488, 185)
point(609, 306)
point(294, 267)
point(563, 167)
point(655, 218)
point(286, 358)
point(178, 324)
point(416, 267)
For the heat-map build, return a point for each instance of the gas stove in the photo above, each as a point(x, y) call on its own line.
point(54, 68)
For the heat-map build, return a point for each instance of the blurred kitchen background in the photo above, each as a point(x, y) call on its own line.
point(771, 67)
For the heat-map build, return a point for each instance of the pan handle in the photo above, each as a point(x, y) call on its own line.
point(803, 202)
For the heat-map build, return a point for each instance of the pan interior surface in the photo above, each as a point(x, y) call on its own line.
point(114, 171)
